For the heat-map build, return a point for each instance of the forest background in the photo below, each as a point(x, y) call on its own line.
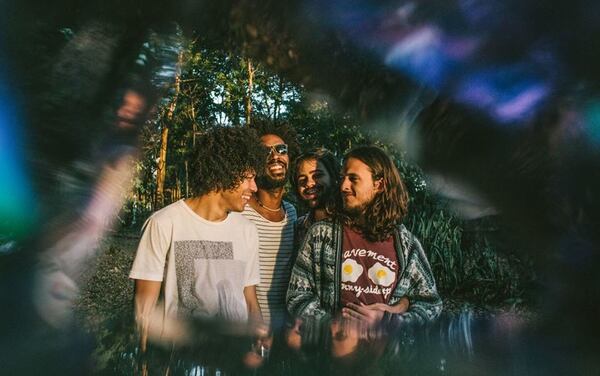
point(475, 263)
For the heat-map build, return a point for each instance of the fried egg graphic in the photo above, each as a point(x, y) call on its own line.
point(351, 270)
point(381, 275)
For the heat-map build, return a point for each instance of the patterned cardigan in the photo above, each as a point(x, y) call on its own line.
point(314, 289)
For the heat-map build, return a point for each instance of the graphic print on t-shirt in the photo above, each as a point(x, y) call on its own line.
point(369, 269)
point(209, 281)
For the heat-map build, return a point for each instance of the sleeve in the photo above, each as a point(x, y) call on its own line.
point(425, 302)
point(302, 296)
point(252, 276)
point(299, 233)
point(151, 255)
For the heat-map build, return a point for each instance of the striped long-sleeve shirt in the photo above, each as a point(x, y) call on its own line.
point(276, 248)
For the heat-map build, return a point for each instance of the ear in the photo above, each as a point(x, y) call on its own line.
point(379, 185)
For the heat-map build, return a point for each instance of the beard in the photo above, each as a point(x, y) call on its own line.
point(356, 211)
point(267, 182)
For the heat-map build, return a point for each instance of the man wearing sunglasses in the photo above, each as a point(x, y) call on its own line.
point(274, 218)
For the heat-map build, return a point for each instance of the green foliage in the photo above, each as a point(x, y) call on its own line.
point(213, 89)
point(467, 258)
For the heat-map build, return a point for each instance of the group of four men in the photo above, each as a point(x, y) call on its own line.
point(236, 251)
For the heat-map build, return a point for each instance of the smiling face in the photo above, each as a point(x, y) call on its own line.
point(313, 182)
point(358, 187)
point(276, 170)
point(235, 199)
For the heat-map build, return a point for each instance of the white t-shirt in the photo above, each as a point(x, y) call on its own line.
point(204, 265)
point(276, 248)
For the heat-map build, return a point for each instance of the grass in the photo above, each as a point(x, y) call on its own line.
point(471, 260)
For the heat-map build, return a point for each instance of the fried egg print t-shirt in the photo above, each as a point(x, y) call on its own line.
point(369, 269)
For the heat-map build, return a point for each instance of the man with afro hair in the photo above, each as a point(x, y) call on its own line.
point(274, 218)
point(199, 251)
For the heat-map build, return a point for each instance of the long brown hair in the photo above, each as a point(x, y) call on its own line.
point(389, 206)
point(331, 165)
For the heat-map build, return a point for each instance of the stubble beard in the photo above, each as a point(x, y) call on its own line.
point(357, 214)
point(268, 183)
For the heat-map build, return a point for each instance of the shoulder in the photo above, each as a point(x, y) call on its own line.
point(251, 214)
point(290, 210)
point(322, 229)
point(168, 214)
point(302, 221)
point(409, 241)
point(241, 221)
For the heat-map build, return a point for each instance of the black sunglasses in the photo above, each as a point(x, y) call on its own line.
point(281, 149)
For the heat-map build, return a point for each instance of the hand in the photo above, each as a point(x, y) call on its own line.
point(371, 314)
point(293, 337)
point(366, 314)
point(398, 308)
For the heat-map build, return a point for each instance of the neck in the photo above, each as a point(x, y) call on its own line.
point(320, 214)
point(209, 206)
point(271, 199)
point(263, 199)
point(355, 221)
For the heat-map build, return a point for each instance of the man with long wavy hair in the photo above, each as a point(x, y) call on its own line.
point(365, 266)
point(315, 180)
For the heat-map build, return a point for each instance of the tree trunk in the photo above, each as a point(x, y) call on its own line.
point(164, 139)
point(193, 126)
point(162, 167)
point(249, 93)
point(278, 99)
point(187, 180)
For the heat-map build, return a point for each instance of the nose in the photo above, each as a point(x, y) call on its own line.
point(253, 187)
point(310, 182)
point(273, 156)
point(345, 185)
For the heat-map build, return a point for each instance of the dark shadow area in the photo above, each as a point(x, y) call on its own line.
point(490, 110)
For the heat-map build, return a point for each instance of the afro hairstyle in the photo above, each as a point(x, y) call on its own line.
point(222, 158)
point(280, 129)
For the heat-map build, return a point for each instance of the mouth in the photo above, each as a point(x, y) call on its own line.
point(276, 167)
point(311, 193)
point(246, 197)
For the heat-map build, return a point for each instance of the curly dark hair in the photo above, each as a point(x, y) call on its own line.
point(332, 166)
point(390, 206)
point(222, 158)
point(280, 129)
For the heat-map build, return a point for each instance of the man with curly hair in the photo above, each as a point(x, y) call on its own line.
point(200, 252)
point(365, 266)
point(274, 219)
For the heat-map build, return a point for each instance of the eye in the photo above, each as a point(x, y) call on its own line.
point(302, 180)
